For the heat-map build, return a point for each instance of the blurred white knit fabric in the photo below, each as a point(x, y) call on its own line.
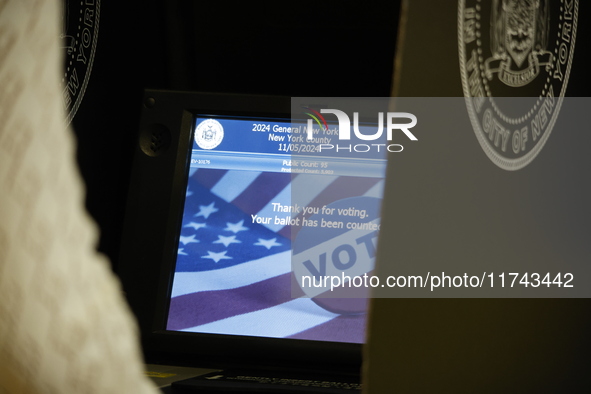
point(64, 326)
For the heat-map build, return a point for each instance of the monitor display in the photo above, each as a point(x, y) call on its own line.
point(227, 211)
point(233, 272)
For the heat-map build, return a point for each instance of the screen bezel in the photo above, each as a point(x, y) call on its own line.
point(150, 240)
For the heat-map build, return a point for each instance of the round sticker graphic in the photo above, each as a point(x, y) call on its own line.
point(209, 134)
point(334, 253)
point(515, 61)
point(80, 26)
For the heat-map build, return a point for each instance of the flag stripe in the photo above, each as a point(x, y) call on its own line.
point(376, 191)
point(232, 277)
point(233, 184)
point(205, 307)
point(339, 329)
point(313, 186)
point(282, 320)
point(261, 191)
point(342, 187)
point(209, 177)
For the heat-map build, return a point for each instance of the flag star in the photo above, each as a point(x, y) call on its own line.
point(180, 251)
point(189, 193)
point(206, 210)
point(188, 240)
point(268, 243)
point(196, 226)
point(216, 257)
point(226, 240)
point(235, 227)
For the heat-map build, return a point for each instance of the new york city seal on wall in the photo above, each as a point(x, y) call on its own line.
point(515, 61)
point(79, 38)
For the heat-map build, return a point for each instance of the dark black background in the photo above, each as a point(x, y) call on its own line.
point(326, 48)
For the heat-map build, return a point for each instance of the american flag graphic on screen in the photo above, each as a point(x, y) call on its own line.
point(233, 275)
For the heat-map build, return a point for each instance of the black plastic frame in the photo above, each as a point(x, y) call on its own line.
point(150, 240)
